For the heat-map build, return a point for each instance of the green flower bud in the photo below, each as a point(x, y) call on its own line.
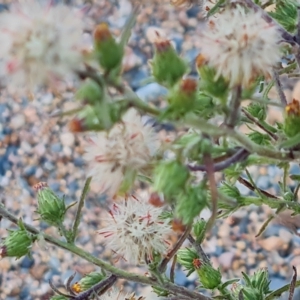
point(292, 118)
point(170, 178)
point(87, 282)
point(189, 259)
point(251, 294)
point(51, 208)
point(102, 116)
point(90, 92)
point(259, 281)
point(167, 66)
point(17, 244)
point(210, 278)
point(184, 94)
point(108, 52)
point(208, 83)
point(199, 230)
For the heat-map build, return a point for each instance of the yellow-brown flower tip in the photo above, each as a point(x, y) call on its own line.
point(189, 85)
point(161, 44)
point(39, 186)
point(293, 108)
point(3, 251)
point(201, 60)
point(155, 200)
point(102, 32)
point(76, 125)
point(178, 226)
point(197, 263)
point(76, 287)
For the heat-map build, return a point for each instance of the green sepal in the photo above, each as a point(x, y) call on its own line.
point(18, 243)
point(170, 177)
point(90, 92)
point(191, 202)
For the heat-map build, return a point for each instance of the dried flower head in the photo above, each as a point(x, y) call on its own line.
point(39, 44)
point(135, 230)
point(128, 146)
point(115, 294)
point(241, 45)
point(293, 108)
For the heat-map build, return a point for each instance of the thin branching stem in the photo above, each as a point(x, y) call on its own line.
point(240, 155)
point(293, 284)
point(279, 88)
point(163, 265)
point(284, 33)
point(234, 108)
point(199, 249)
point(213, 190)
point(260, 125)
point(215, 131)
point(101, 263)
point(79, 208)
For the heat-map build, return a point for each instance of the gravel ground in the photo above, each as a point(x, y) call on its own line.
point(35, 147)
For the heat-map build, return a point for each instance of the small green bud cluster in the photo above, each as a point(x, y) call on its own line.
point(51, 208)
point(18, 243)
point(87, 282)
point(209, 277)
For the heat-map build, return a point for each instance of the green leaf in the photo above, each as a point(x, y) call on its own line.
point(260, 138)
point(295, 177)
point(286, 14)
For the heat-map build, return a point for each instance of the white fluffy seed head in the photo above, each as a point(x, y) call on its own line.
point(241, 45)
point(135, 230)
point(128, 145)
point(39, 44)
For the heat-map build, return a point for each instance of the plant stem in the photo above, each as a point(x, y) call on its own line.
point(279, 88)
point(79, 208)
point(260, 124)
point(215, 131)
point(199, 249)
point(239, 156)
point(252, 188)
point(234, 108)
point(102, 264)
point(163, 265)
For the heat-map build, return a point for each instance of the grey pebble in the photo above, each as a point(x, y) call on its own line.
point(277, 282)
point(27, 262)
point(25, 293)
point(151, 92)
point(29, 170)
point(137, 76)
point(56, 148)
point(263, 182)
point(54, 186)
point(54, 263)
point(295, 169)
